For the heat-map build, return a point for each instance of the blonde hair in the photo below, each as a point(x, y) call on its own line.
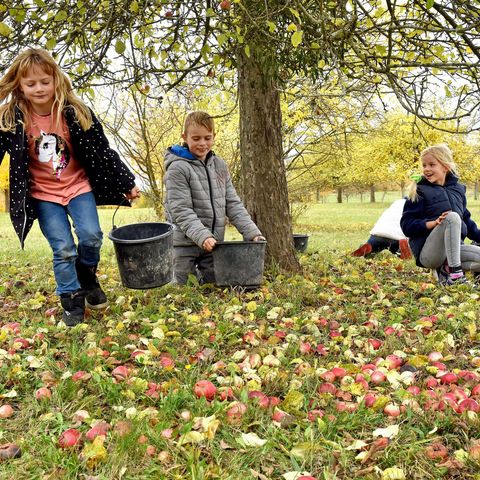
point(443, 155)
point(202, 119)
point(11, 95)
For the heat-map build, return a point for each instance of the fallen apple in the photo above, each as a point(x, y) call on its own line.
point(6, 411)
point(70, 438)
point(205, 388)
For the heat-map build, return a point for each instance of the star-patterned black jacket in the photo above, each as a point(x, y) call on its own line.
point(109, 177)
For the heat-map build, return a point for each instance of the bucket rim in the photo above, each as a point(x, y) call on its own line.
point(241, 242)
point(301, 235)
point(140, 240)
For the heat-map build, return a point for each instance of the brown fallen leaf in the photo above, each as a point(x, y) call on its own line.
point(224, 445)
point(377, 446)
point(258, 475)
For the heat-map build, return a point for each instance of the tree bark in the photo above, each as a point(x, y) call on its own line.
point(372, 193)
point(263, 170)
point(339, 195)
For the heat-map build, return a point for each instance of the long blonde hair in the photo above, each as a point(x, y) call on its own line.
point(443, 155)
point(11, 95)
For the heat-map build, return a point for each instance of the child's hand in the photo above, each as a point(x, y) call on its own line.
point(133, 193)
point(259, 238)
point(209, 244)
point(433, 223)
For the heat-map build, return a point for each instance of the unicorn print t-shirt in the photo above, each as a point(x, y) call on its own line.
point(55, 175)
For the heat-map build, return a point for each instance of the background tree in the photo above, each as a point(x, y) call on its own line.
point(5, 182)
point(411, 49)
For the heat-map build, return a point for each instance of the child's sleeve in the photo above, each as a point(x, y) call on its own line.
point(180, 205)
point(238, 214)
point(413, 221)
point(473, 233)
point(112, 165)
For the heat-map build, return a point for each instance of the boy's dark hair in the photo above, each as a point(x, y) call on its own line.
point(199, 118)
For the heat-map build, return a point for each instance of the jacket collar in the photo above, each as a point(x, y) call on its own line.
point(183, 152)
point(450, 179)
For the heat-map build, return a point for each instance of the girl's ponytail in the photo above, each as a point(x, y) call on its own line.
point(412, 187)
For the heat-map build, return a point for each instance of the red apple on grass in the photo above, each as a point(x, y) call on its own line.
point(100, 428)
point(70, 438)
point(205, 388)
point(236, 412)
point(6, 411)
point(43, 393)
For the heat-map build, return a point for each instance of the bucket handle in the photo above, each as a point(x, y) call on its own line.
point(125, 199)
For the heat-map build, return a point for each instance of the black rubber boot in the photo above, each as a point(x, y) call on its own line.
point(73, 307)
point(95, 297)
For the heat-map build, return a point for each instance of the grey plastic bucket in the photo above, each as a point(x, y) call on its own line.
point(300, 241)
point(239, 263)
point(144, 254)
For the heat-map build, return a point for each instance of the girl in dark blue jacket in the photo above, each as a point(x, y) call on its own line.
point(436, 219)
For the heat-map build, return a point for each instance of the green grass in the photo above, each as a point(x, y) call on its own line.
point(283, 339)
point(343, 227)
point(330, 226)
point(36, 246)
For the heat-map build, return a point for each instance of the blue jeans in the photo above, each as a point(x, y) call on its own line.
point(55, 226)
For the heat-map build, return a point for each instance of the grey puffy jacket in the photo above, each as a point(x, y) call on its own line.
point(199, 198)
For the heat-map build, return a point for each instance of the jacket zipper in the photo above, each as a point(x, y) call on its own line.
point(211, 198)
point(449, 198)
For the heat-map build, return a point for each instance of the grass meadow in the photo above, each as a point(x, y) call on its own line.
point(357, 369)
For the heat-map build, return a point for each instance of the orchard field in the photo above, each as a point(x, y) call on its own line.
point(358, 369)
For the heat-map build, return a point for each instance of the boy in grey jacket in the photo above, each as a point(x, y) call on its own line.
point(200, 197)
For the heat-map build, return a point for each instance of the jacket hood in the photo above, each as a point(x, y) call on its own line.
point(176, 153)
point(179, 152)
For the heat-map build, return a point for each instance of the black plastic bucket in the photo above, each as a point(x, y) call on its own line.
point(300, 241)
point(239, 263)
point(144, 254)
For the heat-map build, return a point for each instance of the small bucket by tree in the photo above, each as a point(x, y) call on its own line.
point(300, 241)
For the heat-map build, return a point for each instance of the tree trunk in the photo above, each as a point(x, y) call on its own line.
point(372, 193)
point(339, 195)
point(263, 170)
point(475, 190)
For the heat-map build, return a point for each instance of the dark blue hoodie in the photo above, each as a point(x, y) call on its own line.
point(432, 200)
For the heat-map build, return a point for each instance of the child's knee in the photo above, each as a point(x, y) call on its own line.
point(453, 217)
point(90, 238)
point(65, 253)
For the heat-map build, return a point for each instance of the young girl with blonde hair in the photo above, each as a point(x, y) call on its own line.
point(61, 166)
point(436, 219)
